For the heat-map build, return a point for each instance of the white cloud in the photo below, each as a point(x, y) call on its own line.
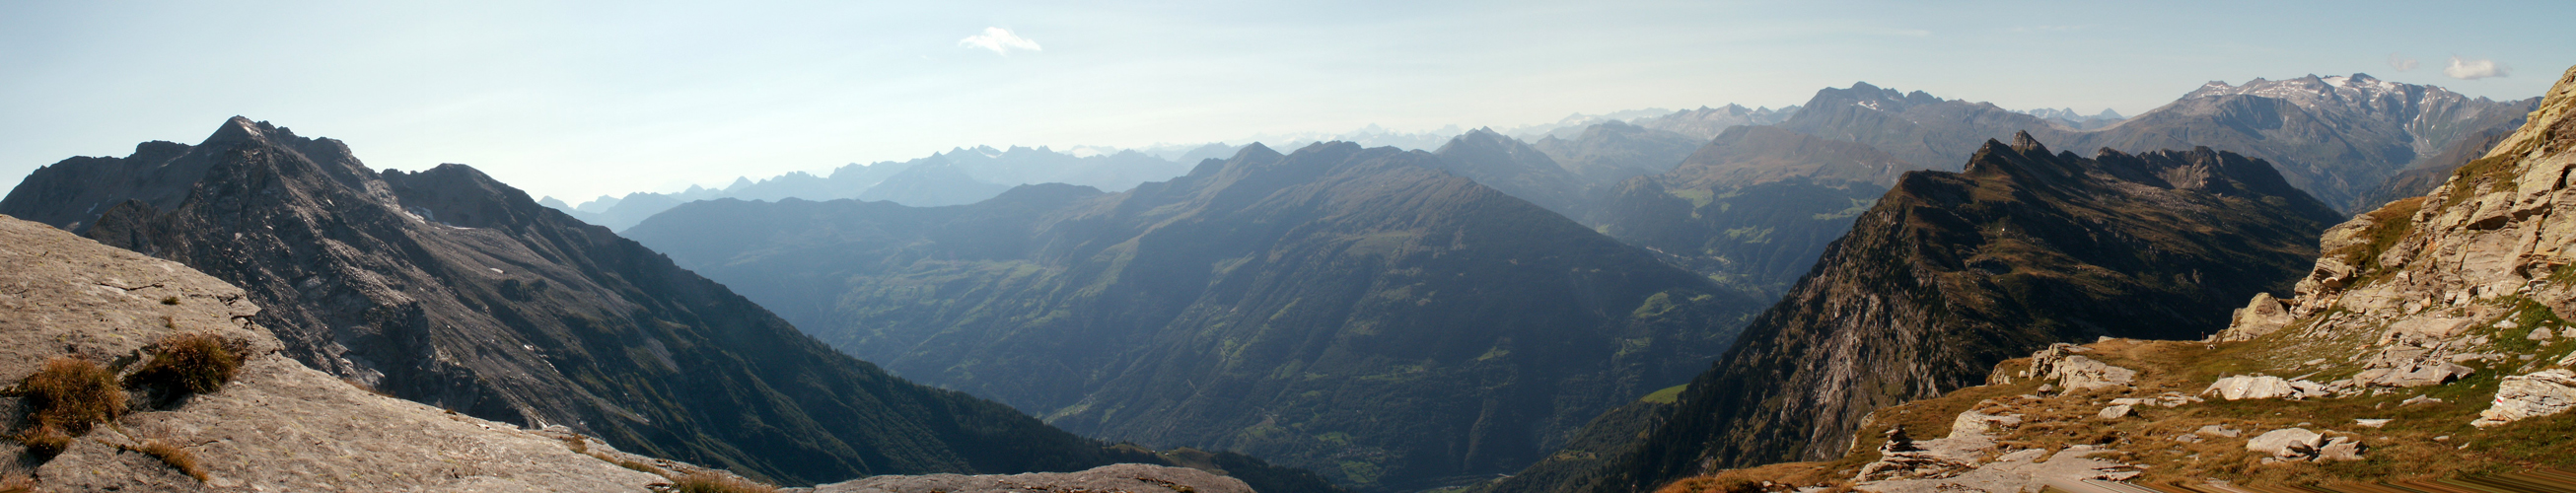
point(1000, 41)
point(2401, 63)
point(2470, 69)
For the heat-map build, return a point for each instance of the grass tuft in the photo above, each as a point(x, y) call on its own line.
point(177, 457)
point(711, 482)
point(44, 441)
point(17, 483)
point(194, 363)
point(71, 395)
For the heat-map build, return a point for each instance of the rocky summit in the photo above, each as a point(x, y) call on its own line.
point(1950, 273)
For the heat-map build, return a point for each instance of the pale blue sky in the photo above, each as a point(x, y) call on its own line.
point(576, 100)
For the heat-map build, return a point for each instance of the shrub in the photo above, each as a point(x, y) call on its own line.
point(177, 457)
point(70, 395)
point(195, 363)
point(712, 482)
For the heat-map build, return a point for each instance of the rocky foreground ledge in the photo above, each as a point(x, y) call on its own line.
point(1116, 478)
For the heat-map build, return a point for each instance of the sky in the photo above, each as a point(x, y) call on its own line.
point(578, 99)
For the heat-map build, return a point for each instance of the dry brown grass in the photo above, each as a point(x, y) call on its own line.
point(71, 395)
point(44, 441)
point(193, 362)
point(17, 483)
point(177, 457)
point(712, 482)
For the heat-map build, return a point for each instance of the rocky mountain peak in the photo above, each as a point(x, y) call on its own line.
point(2023, 142)
point(2428, 287)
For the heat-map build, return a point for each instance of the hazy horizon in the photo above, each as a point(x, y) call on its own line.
point(578, 102)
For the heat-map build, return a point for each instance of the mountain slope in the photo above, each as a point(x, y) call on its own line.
point(1950, 273)
point(272, 425)
point(1359, 312)
point(1513, 167)
point(1754, 207)
point(447, 288)
point(1613, 151)
point(2430, 343)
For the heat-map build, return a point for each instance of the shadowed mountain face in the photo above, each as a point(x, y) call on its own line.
point(1356, 311)
point(1950, 273)
point(445, 287)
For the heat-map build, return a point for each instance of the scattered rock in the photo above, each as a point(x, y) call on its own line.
point(2287, 443)
point(1977, 423)
point(2059, 362)
point(2217, 431)
point(2258, 318)
point(2114, 412)
point(2539, 334)
point(2370, 423)
point(2418, 400)
point(2243, 387)
point(2539, 394)
point(2422, 374)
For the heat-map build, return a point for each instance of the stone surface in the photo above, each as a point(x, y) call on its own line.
point(2114, 412)
point(2081, 373)
point(2342, 449)
point(2021, 471)
point(2254, 387)
point(279, 426)
point(2522, 397)
point(1119, 478)
point(2286, 442)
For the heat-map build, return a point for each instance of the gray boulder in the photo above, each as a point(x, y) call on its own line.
point(2522, 397)
point(2287, 443)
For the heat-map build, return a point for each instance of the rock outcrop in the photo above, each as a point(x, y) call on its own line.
point(1952, 273)
point(2522, 397)
point(276, 426)
point(2469, 279)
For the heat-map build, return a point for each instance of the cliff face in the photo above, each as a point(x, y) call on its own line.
point(277, 425)
point(450, 289)
point(1356, 311)
point(1950, 273)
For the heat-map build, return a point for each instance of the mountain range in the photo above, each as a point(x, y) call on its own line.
point(1362, 312)
point(447, 288)
point(959, 176)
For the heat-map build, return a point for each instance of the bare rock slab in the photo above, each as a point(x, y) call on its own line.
point(2522, 397)
point(1116, 478)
